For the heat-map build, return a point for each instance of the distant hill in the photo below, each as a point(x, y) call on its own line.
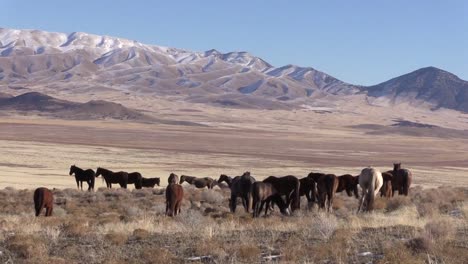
point(38, 102)
point(430, 84)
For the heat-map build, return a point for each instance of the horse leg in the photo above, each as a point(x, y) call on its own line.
point(233, 203)
point(361, 200)
point(49, 210)
point(77, 184)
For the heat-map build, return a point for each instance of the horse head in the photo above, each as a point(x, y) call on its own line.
point(182, 179)
point(247, 173)
point(72, 169)
point(223, 177)
point(98, 172)
point(396, 166)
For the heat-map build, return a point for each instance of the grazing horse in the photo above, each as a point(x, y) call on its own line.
point(262, 193)
point(43, 198)
point(241, 186)
point(309, 189)
point(386, 190)
point(135, 178)
point(174, 197)
point(173, 178)
point(370, 181)
point(401, 180)
point(326, 187)
point(348, 183)
point(198, 182)
point(289, 186)
point(150, 182)
point(83, 175)
point(110, 177)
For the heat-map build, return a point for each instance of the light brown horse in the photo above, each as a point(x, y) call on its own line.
point(370, 181)
point(198, 182)
point(43, 198)
point(173, 178)
point(174, 197)
point(401, 180)
point(386, 190)
point(264, 193)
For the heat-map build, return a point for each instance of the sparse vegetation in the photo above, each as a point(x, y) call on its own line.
point(121, 226)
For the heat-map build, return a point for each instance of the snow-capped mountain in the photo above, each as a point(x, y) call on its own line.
point(81, 61)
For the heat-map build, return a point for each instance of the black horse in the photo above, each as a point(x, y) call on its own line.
point(288, 186)
point(110, 177)
point(83, 176)
point(135, 178)
point(241, 186)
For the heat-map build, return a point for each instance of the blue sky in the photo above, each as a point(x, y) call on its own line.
point(361, 42)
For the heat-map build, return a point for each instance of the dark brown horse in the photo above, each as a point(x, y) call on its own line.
point(326, 187)
point(83, 176)
point(110, 177)
point(198, 182)
point(309, 189)
point(401, 180)
point(136, 179)
point(150, 182)
point(348, 183)
point(174, 197)
point(241, 186)
point(173, 178)
point(43, 198)
point(386, 190)
point(263, 193)
point(289, 186)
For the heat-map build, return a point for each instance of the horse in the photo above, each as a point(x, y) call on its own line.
point(136, 179)
point(401, 180)
point(348, 183)
point(289, 186)
point(265, 193)
point(370, 181)
point(173, 178)
point(174, 197)
point(43, 198)
point(327, 186)
point(198, 182)
point(150, 182)
point(241, 186)
point(110, 177)
point(386, 190)
point(83, 175)
point(309, 189)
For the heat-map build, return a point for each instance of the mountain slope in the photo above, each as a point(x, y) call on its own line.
point(34, 58)
point(430, 84)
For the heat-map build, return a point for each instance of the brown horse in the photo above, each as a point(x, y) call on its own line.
point(289, 186)
point(386, 190)
point(136, 179)
point(326, 187)
point(173, 178)
point(348, 183)
point(370, 181)
point(174, 197)
point(241, 186)
point(309, 189)
point(150, 182)
point(198, 182)
point(264, 193)
point(401, 180)
point(43, 198)
point(110, 177)
point(83, 176)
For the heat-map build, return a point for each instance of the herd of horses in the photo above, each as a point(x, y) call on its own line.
point(284, 192)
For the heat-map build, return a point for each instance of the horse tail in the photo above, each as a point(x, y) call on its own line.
point(371, 192)
point(38, 201)
point(297, 196)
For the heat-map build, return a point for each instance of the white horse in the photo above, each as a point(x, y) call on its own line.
point(370, 181)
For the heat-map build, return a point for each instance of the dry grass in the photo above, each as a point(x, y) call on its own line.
point(132, 225)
